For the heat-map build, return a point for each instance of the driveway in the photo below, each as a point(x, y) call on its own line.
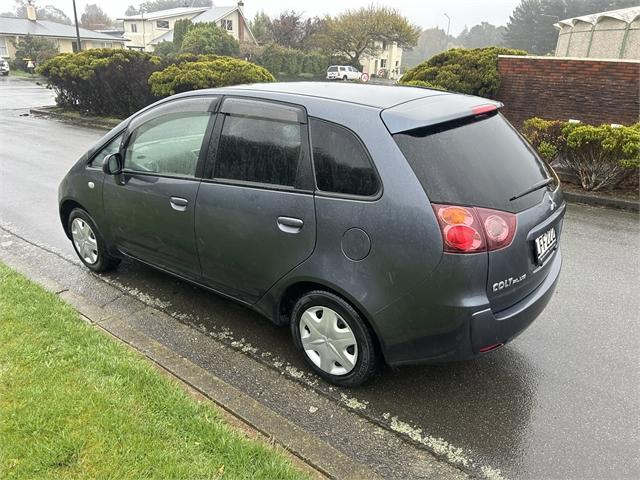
point(561, 401)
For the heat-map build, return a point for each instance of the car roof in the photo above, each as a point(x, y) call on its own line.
point(377, 96)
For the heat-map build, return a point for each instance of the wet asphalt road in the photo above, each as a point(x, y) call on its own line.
point(562, 401)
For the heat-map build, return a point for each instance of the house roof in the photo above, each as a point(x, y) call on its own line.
point(212, 14)
point(47, 28)
point(626, 15)
point(170, 12)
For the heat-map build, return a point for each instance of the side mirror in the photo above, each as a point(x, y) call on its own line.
point(112, 164)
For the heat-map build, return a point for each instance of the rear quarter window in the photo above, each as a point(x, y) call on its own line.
point(342, 165)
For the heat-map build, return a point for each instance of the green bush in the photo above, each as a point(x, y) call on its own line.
point(210, 72)
point(473, 71)
point(209, 38)
point(36, 49)
point(102, 81)
point(601, 156)
point(546, 137)
point(291, 62)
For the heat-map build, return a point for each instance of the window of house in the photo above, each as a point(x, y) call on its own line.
point(259, 150)
point(384, 44)
point(168, 145)
point(162, 24)
point(134, 28)
point(383, 63)
point(342, 165)
point(226, 24)
point(110, 148)
point(3, 47)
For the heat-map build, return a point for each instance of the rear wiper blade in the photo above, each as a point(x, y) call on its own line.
point(533, 188)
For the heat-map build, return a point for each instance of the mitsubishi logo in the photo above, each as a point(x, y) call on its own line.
point(552, 204)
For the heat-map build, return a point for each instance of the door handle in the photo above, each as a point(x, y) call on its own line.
point(179, 204)
point(290, 224)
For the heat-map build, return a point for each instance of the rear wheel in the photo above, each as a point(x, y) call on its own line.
point(344, 78)
point(333, 338)
point(88, 243)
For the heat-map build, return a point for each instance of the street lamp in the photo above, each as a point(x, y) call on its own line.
point(75, 16)
point(446, 44)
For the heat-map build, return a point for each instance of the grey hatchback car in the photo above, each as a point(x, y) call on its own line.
point(382, 224)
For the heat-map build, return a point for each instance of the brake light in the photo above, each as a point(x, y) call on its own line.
point(475, 229)
point(483, 109)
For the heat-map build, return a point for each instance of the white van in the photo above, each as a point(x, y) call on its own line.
point(343, 72)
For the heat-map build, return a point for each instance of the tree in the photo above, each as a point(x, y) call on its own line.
point(156, 5)
point(49, 12)
point(530, 26)
point(481, 35)
point(261, 27)
point(355, 33)
point(94, 18)
point(209, 38)
point(287, 29)
point(180, 29)
point(431, 42)
point(37, 49)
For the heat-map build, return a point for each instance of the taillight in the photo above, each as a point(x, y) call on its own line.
point(474, 229)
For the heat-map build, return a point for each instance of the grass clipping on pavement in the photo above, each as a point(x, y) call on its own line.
point(77, 404)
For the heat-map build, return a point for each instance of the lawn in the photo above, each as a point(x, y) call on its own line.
point(75, 403)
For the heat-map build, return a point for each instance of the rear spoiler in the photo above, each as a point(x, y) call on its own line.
point(436, 109)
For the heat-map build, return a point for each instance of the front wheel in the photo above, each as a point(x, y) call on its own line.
point(88, 243)
point(333, 338)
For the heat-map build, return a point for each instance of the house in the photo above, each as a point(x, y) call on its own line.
point(613, 35)
point(145, 30)
point(387, 63)
point(63, 36)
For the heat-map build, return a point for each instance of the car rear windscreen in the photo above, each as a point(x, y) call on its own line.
point(475, 162)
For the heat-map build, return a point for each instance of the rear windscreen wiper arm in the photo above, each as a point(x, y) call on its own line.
point(533, 188)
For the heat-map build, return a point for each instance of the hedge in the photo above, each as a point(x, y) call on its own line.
point(102, 81)
point(291, 62)
point(600, 156)
point(473, 71)
point(206, 73)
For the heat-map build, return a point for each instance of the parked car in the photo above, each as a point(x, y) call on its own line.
point(4, 67)
point(392, 224)
point(343, 72)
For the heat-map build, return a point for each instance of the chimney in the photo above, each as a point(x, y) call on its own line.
point(31, 12)
point(241, 6)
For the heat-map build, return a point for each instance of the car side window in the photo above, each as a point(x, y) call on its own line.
point(342, 165)
point(110, 148)
point(259, 150)
point(167, 145)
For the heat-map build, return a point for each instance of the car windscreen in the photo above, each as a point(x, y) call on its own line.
point(477, 162)
point(332, 69)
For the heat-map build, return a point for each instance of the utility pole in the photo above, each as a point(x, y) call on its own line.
point(75, 17)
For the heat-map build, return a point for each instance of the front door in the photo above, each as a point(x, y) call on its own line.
point(255, 216)
point(150, 207)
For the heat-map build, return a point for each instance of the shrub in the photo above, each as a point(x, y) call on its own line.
point(165, 49)
point(290, 62)
point(209, 38)
point(209, 72)
point(601, 156)
point(546, 137)
point(102, 81)
point(466, 70)
point(421, 84)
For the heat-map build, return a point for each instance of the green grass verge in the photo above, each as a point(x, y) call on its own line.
point(76, 404)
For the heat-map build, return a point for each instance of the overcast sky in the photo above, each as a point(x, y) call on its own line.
point(426, 13)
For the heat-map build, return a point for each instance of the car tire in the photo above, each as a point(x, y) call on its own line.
point(345, 78)
point(84, 235)
point(326, 361)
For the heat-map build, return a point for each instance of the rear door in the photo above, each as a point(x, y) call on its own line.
point(255, 216)
point(150, 206)
point(481, 161)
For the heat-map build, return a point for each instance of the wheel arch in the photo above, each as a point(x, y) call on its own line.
point(66, 207)
point(296, 289)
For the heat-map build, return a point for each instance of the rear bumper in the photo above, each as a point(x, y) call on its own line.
point(476, 327)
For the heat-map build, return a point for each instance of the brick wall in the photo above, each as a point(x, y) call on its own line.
point(592, 91)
